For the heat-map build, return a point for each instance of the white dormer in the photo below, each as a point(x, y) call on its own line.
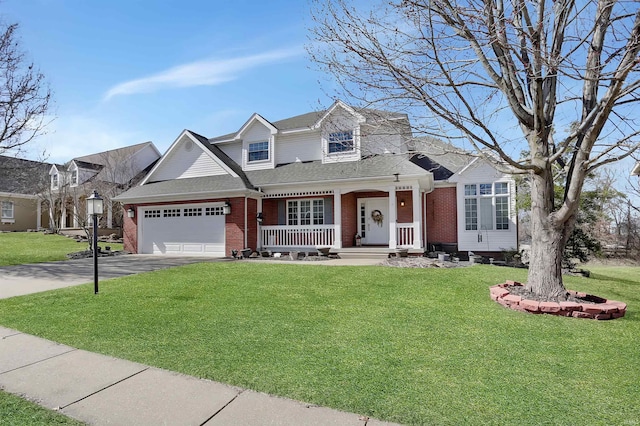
point(340, 134)
point(258, 141)
point(73, 174)
point(54, 173)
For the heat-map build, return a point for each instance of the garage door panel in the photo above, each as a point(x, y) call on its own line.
point(175, 235)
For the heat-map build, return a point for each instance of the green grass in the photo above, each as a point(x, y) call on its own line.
point(15, 411)
point(17, 248)
point(416, 346)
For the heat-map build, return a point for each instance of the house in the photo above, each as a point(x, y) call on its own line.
point(21, 182)
point(335, 178)
point(109, 173)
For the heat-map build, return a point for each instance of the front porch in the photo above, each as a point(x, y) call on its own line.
point(285, 237)
point(390, 217)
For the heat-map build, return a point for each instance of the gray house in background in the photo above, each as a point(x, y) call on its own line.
point(21, 183)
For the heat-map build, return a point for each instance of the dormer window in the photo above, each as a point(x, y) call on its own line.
point(258, 151)
point(340, 142)
point(54, 180)
point(74, 177)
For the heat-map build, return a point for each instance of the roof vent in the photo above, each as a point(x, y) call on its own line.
point(188, 146)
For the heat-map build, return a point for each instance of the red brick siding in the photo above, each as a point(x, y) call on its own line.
point(234, 226)
point(252, 223)
point(270, 212)
point(130, 230)
point(442, 216)
point(349, 219)
point(405, 214)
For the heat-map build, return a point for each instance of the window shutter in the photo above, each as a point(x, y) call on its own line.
point(328, 211)
point(282, 212)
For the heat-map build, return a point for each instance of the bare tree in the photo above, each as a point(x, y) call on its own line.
point(24, 95)
point(557, 78)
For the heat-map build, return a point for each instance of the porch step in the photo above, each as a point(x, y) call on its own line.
point(369, 252)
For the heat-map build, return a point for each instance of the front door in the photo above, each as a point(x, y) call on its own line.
point(374, 220)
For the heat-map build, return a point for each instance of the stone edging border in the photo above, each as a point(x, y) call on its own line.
point(603, 309)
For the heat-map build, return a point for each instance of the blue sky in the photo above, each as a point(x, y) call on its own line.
point(125, 72)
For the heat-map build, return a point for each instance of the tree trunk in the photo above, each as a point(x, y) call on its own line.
point(548, 239)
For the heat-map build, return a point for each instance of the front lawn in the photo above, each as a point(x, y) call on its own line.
point(15, 411)
point(416, 346)
point(17, 248)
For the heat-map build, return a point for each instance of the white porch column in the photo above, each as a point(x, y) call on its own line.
point(38, 213)
point(63, 216)
point(337, 218)
point(393, 214)
point(109, 207)
point(259, 225)
point(52, 213)
point(417, 217)
point(75, 214)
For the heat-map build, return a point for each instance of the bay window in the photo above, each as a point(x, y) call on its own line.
point(486, 206)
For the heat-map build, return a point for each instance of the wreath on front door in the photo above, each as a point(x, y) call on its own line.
point(377, 217)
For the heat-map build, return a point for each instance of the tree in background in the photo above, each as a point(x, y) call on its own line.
point(501, 76)
point(24, 95)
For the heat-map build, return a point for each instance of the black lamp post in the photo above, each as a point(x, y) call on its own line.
point(95, 209)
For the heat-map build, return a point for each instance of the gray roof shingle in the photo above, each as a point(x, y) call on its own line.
point(18, 176)
point(191, 186)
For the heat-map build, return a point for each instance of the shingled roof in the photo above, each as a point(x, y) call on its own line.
point(19, 176)
point(439, 157)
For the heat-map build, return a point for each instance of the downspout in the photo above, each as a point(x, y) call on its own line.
point(246, 230)
point(424, 222)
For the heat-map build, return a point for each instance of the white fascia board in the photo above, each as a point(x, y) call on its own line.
point(377, 181)
point(16, 195)
point(53, 170)
point(173, 147)
point(256, 117)
point(182, 196)
point(359, 117)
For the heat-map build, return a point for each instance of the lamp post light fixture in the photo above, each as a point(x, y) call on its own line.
point(95, 209)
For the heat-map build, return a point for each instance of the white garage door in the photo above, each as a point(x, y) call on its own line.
point(185, 229)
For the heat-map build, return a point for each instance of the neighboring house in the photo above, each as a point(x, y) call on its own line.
point(318, 179)
point(21, 182)
point(109, 172)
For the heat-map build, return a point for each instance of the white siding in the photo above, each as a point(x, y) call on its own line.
point(305, 146)
point(233, 150)
point(257, 132)
point(187, 160)
point(491, 240)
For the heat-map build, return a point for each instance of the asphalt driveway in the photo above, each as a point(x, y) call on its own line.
point(33, 278)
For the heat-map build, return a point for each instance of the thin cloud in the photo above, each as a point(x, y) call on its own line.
point(201, 73)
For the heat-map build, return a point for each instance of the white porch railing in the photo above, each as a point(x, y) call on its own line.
point(404, 234)
point(298, 236)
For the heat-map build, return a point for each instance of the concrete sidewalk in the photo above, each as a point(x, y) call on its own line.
point(102, 390)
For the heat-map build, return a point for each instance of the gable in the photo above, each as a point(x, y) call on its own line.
point(186, 159)
point(479, 171)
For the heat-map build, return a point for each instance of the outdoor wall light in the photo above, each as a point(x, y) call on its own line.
point(226, 209)
point(131, 212)
point(401, 203)
point(397, 177)
point(259, 217)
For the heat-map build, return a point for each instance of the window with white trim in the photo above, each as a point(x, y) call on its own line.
point(305, 212)
point(54, 180)
point(340, 142)
point(258, 151)
point(8, 210)
point(74, 177)
point(486, 206)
